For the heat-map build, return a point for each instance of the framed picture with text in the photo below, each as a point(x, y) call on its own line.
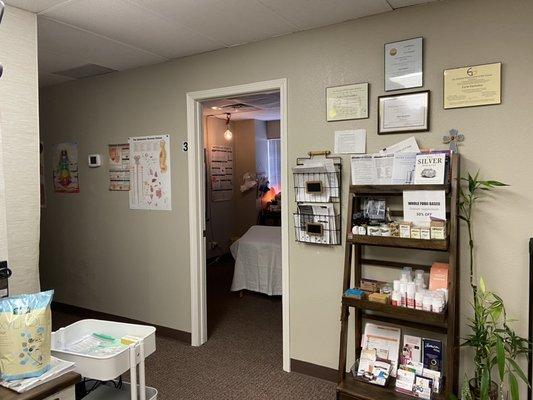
point(403, 113)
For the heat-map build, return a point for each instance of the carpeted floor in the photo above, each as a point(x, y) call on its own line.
point(242, 358)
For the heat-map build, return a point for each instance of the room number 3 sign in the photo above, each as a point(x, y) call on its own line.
point(185, 146)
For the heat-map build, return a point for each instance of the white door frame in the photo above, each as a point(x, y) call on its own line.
point(197, 205)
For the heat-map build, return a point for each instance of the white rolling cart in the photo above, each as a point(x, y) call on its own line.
point(70, 343)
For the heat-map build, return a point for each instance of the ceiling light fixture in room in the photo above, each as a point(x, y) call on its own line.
point(228, 134)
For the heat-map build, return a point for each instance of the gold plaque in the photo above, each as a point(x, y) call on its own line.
point(476, 85)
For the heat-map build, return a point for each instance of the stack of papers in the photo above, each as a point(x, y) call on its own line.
point(392, 165)
point(316, 170)
point(323, 214)
point(57, 368)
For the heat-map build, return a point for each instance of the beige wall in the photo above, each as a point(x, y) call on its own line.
point(244, 203)
point(19, 144)
point(90, 238)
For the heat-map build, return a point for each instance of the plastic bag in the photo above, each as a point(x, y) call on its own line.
point(25, 335)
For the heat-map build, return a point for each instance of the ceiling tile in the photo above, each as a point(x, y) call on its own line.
point(130, 24)
point(50, 61)
point(51, 79)
point(407, 3)
point(313, 13)
point(58, 38)
point(229, 21)
point(34, 5)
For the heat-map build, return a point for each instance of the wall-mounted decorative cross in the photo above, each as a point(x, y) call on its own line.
point(453, 138)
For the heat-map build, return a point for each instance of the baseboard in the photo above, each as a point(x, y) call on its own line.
point(314, 370)
point(91, 314)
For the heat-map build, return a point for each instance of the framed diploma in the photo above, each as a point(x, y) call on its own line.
point(472, 86)
point(403, 64)
point(403, 113)
point(347, 102)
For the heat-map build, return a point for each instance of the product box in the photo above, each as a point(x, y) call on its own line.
point(411, 350)
point(432, 354)
point(371, 285)
point(438, 276)
point(405, 230)
point(415, 233)
point(379, 298)
point(355, 293)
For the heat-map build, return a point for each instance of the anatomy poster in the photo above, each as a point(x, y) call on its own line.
point(221, 173)
point(150, 173)
point(119, 167)
point(65, 163)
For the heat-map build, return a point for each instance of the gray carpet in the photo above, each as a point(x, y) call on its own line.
point(241, 360)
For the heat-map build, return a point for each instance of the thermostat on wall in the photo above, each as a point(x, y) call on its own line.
point(94, 160)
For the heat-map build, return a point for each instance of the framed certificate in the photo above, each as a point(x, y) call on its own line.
point(472, 86)
point(403, 64)
point(403, 113)
point(347, 102)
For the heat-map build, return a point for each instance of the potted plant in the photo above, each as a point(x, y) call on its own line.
point(495, 343)
point(496, 347)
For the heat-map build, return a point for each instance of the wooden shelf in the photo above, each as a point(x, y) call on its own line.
point(387, 241)
point(362, 311)
point(399, 313)
point(351, 388)
point(394, 189)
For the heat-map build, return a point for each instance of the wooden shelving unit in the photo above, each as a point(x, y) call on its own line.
point(446, 323)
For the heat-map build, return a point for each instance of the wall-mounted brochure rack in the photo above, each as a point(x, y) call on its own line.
point(317, 188)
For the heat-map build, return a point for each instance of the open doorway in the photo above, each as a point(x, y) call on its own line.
point(242, 164)
point(237, 171)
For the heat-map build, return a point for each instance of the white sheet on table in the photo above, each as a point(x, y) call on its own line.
point(257, 257)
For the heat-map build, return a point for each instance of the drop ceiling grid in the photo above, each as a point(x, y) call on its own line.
point(123, 34)
point(129, 24)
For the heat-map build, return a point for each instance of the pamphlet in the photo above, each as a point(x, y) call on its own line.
point(430, 169)
point(411, 350)
point(403, 168)
point(385, 340)
point(405, 146)
point(363, 171)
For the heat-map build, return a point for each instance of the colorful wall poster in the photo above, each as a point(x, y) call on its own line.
point(119, 167)
point(150, 173)
point(65, 164)
point(221, 173)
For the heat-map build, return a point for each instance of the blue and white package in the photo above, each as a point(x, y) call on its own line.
point(25, 335)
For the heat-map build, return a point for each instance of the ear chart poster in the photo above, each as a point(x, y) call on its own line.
point(150, 173)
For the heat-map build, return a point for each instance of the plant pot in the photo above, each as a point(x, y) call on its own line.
point(476, 393)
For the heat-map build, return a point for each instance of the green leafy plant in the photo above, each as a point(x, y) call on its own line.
point(468, 199)
point(496, 345)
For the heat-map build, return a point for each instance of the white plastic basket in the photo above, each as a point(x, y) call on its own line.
point(102, 368)
point(109, 366)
